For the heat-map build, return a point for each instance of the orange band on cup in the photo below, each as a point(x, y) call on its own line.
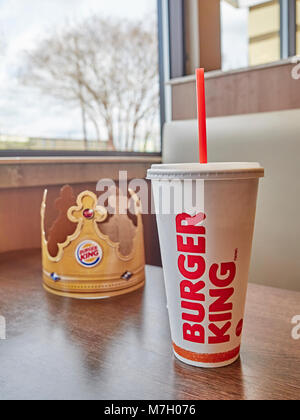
point(207, 358)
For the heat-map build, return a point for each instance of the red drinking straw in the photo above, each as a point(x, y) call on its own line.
point(201, 115)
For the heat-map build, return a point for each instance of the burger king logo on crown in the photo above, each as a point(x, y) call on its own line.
point(88, 254)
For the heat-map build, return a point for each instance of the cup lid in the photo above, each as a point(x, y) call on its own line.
point(209, 171)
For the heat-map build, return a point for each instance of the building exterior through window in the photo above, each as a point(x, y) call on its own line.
point(250, 32)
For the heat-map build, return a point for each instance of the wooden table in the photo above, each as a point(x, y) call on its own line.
point(120, 349)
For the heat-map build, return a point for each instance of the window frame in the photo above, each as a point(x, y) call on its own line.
point(288, 28)
point(172, 54)
point(177, 38)
point(25, 153)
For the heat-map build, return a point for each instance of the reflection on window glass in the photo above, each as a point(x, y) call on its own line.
point(250, 32)
point(298, 27)
point(79, 75)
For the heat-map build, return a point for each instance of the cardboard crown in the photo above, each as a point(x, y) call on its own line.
point(89, 254)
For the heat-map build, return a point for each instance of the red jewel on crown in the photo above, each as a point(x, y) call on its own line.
point(88, 213)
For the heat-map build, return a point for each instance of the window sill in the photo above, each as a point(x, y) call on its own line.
point(51, 171)
point(220, 73)
point(75, 160)
point(267, 88)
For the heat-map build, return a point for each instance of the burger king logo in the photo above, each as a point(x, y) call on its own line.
point(89, 254)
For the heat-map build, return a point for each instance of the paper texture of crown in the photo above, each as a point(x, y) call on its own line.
point(89, 265)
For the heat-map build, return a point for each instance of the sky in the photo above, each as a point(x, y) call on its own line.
point(234, 25)
point(23, 23)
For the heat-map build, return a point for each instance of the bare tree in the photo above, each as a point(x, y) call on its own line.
point(108, 68)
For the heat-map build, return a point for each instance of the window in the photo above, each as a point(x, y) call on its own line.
point(79, 75)
point(250, 32)
point(232, 34)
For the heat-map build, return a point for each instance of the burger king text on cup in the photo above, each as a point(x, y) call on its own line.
point(192, 265)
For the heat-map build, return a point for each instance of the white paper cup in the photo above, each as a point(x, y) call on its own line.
point(206, 248)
